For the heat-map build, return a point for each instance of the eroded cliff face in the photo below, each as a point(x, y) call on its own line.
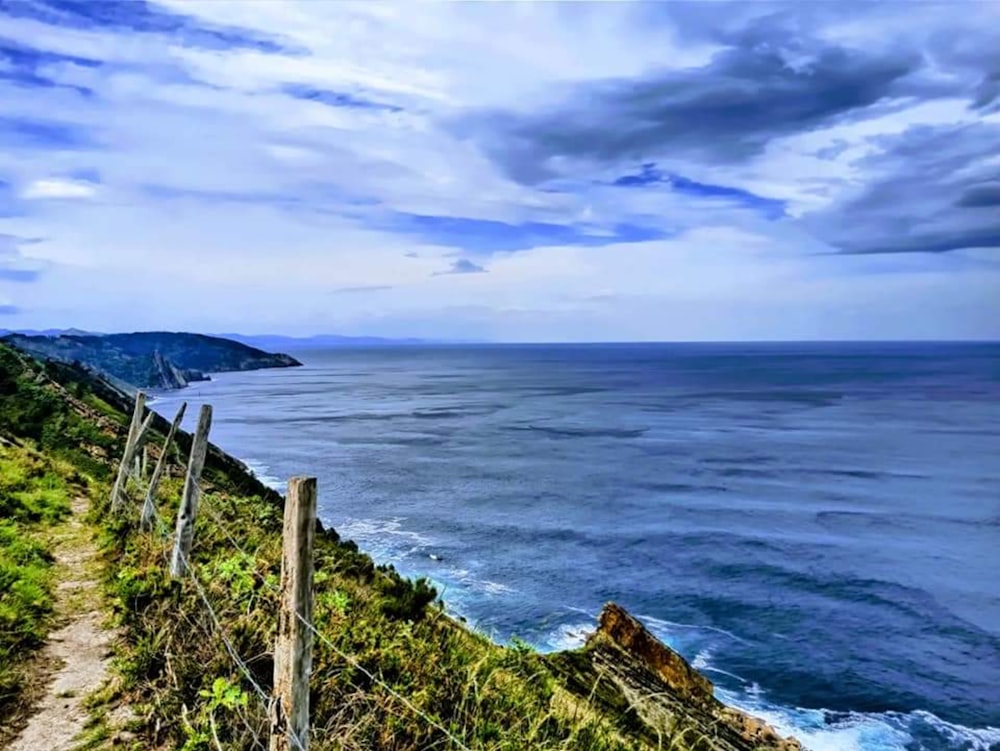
point(656, 692)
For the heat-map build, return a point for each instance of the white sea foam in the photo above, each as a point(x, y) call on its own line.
point(668, 627)
point(820, 730)
point(700, 661)
point(263, 473)
point(861, 731)
point(386, 540)
point(568, 636)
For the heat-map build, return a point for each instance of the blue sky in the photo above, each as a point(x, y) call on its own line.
point(521, 172)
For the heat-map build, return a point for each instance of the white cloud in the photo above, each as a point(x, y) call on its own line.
point(217, 185)
point(59, 188)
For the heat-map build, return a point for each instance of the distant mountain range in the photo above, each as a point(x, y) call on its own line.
point(152, 359)
point(49, 332)
point(261, 341)
point(268, 341)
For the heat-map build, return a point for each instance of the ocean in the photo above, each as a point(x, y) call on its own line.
point(814, 526)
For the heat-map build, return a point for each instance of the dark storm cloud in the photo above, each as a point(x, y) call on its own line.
point(725, 111)
point(782, 70)
point(932, 190)
point(987, 194)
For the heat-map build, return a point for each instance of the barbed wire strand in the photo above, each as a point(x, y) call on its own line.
point(223, 527)
point(343, 655)
point(230, 648)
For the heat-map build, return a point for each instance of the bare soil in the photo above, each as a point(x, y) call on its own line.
point(77, 654)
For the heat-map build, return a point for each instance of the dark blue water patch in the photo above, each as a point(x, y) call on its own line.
point(739, 459)
point(568, 432)
point(668, 488)
point(445, 413)
point(858, 474)
point(752, 472)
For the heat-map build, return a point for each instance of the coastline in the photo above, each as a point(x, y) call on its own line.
point(815, 728)
point(837, 728)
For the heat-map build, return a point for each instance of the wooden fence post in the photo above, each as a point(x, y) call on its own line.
point(125, 467)
point(188, 509)
point(293, 645)
point(149, 505)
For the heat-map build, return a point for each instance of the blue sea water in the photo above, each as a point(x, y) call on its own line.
point(815, 526)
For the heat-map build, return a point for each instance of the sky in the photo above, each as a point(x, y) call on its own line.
point(502, 171)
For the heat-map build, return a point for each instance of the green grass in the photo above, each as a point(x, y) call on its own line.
point(33, 496)
point(488, 696)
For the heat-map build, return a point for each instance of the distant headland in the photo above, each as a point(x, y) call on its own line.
point(150, 359)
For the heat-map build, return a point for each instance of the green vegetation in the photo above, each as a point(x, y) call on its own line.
point(391, 672)
point(487, 696)
point(33, 495)
point(34, 406)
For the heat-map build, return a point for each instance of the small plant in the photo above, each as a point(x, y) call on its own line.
point(223, 695)
point(236, 572)
point(520, 646)
point(403, 599)
point(339, 601)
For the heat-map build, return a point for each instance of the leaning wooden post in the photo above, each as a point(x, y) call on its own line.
point(188, 509)
point(125, 467)
point(149, 505)
point(132, 454)
point(293, 644)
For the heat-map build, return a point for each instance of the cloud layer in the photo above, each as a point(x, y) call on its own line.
point(514, 171)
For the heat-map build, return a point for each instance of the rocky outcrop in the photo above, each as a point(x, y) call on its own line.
point(630, 636)
point(629, 672)
point(168, 376)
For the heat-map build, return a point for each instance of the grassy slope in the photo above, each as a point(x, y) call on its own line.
point(33, 496)
point(176, 674)
point(41, 468)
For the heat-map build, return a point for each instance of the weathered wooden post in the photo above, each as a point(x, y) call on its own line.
point(293, 645)
point(149, 505)
point(188, 509)
point(126, 464)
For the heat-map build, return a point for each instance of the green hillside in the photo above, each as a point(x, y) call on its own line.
point(154, 359)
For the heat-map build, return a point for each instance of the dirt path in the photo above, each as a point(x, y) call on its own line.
point(80, 650)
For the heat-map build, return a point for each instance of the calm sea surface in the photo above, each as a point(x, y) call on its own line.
point(815, 526)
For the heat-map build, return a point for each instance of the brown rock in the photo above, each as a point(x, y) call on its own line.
point(632, 637)
point(757, 731)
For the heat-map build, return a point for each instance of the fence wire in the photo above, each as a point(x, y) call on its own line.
point(240, 664)
point(340, 653)
point(234, 655)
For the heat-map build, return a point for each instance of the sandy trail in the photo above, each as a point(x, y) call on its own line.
point(81, 649)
